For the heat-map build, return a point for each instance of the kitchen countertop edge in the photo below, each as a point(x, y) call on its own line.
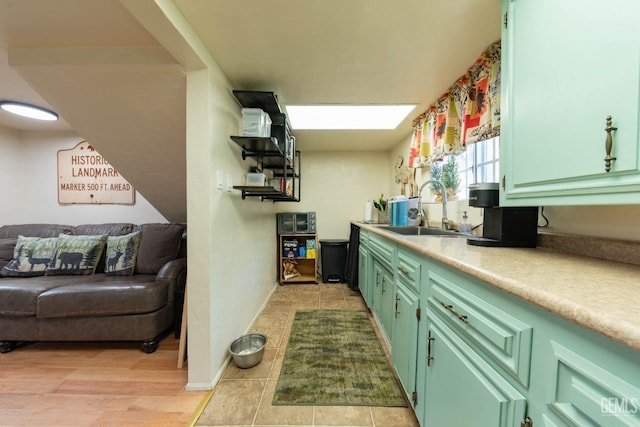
point(586, 303)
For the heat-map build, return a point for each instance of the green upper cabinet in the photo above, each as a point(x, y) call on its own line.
point(566, 66)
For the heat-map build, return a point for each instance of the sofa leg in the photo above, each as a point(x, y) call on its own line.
point(7, 346)
point(150, 345)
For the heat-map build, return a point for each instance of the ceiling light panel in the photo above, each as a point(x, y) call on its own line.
point(28, 110)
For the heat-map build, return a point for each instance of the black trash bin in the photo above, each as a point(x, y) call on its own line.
point(333, 258)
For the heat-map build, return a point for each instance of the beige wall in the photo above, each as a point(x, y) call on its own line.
point(29, 163)
point(336, 185)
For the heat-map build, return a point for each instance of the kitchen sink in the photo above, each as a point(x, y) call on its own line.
point(422, 231)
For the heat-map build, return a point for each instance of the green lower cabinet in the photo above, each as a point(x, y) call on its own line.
point(404, 350)
point(363, 274)
point(461, 388)
point(581, 379)
point(386, 312)
point(482, 357)
point(383, 296)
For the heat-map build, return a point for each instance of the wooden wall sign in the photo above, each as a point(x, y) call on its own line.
point(85, 177)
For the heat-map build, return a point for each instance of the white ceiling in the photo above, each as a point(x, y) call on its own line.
point(82, 58)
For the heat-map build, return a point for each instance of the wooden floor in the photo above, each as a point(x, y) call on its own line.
point(95, 384)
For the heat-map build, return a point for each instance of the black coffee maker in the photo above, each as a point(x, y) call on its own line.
point(503, 226)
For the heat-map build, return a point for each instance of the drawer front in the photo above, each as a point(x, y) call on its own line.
point(409, 268)
point(587, 394)
point(501, 337)
point(364, 237)
point(382, 249)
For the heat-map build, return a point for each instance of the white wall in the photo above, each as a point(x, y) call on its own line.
point(30, 164)
point(11, 172)
point(232, 242)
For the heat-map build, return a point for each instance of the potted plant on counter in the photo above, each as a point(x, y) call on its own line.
point(447, 173)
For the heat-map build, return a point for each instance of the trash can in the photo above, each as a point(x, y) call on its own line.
point(333, 259)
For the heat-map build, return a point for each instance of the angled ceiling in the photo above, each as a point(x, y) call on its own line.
point(115, 85)
point(355, 51)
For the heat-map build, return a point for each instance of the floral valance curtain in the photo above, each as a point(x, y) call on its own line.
point(468, 112)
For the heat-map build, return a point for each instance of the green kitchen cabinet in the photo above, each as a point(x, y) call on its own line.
point(407, 314)
point(382, 254)
point(468, 353)
point(580, 378)
point(568, 65)
point(363, 268)
point(471, 349)
point(404, 350)
point(462, 389)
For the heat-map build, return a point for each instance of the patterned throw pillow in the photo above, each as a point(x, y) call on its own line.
point(122, 252)
point(31, 257)
point(77, 254)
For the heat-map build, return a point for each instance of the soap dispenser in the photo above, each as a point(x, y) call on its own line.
point(465, 227)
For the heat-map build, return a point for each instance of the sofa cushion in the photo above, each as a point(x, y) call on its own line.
point(104, 296)
point(18, 295)
point(112, 229)
point(159, 244)
point(31, 256)
point(7, 246)
point(77, 254)
point(122, 253)
point(34, 230)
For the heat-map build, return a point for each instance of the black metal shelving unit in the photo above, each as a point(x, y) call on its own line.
point(276, 153)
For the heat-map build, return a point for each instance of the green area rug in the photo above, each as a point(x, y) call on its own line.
point(334, 358)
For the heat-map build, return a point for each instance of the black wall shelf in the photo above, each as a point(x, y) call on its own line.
point(276, 153)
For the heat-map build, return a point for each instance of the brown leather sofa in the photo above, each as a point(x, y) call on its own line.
point(142, 306)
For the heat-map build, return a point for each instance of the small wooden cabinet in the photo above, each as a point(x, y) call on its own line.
point(297, 258)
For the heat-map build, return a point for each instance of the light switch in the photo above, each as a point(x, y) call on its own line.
point(229, 183)
point(219, 180)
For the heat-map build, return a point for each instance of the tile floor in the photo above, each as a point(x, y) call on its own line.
point(243, 396)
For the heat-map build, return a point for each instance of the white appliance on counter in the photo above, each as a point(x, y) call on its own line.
point(413, 212)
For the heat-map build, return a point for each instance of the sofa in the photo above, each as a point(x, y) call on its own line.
point(91, 282)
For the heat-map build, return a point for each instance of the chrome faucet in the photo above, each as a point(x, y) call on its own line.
point(445, 220)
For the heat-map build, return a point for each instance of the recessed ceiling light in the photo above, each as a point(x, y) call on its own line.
point(347, 116)
point(28, 110)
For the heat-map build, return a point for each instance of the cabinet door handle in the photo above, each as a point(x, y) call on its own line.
point(454, 312)
point(429, 357)
point(397, 299)
point(608, 145)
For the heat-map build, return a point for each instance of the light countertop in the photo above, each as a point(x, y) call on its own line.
point(600, 295)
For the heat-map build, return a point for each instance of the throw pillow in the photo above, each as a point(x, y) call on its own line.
point(31, 256)
point(77, 254)
point(122, 252)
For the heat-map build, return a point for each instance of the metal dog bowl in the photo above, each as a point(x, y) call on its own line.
point(247, 351)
